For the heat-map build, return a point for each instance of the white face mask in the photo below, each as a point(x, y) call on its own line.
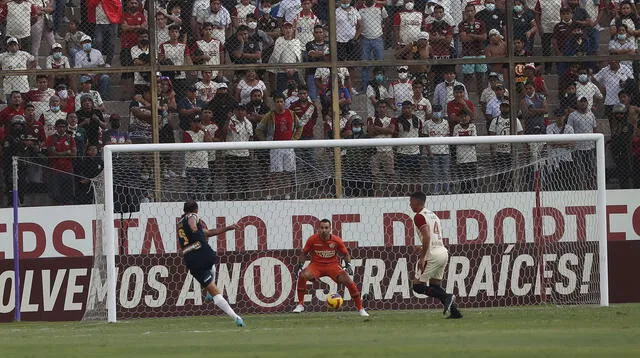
point(403, 75)
point(408, 6)
point(252, 25)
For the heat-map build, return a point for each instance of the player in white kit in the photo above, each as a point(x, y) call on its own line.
point(433, 256)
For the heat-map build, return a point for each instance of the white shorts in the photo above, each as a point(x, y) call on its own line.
point(436, 264)
point(282, 160)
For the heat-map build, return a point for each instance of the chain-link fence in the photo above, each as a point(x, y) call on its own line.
point(91, 73)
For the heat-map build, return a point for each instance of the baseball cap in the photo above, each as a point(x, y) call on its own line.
point(619, 108)
point(86, 97)
point(56, 45)
point(530, 65)
point(495, 32)
point(499, 86)
point(85, 79)
point(12, 39)
point(85, 38)
point(423, 35)
point(222, 85)
point(407, 103)
point(287, 23)
point(494, 74)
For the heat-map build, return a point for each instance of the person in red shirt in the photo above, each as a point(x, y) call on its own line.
point(324, 249)
point(473, 37)
point(280, 124)
point(455, 107)
point(62, 150)
point(133, 20)
point(13, 108)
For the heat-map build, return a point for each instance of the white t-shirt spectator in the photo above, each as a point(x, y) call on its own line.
point(220, 20)
point(240, 130)
point(176, 53)
point(465, 153)
point(502, 126)
point(371, 92)
point(245, 90)
point(288, 9)
point(615, 45)
point(286, 51)
point(588, 90)
point(15, 61)
point(441, 129)
point(559, 153)
point(410, 24)
point(304, 27)
point(346, 21)
point(611, 82)
point(372, 18)
point(583, 123)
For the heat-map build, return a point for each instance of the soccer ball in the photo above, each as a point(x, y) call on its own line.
point(334, 301)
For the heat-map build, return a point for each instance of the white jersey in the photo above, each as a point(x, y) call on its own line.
point(428, 217)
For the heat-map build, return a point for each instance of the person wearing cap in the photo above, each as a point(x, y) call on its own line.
point(492, 17)
point(584, 121)
point(473, 36)
point(492, 108)
point(532, 75)
point(57, 60)
point(15, 59)
point(61, 148)
point(91, 119)
point(400, 90)
point(287, 49)
point(373, 17)
point(501, 152)
point(417, 50)
point(53, 113)
point(189, 106)
point(86, 82)
point(497, 47)
point(459, 105)
point(217, 15)
point(560, 159)
point(90, 57)
point(622, 132)
point(72, 40)
point(348, 27)
point(238, 162)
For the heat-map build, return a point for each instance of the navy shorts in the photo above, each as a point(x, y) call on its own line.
point(199, 263)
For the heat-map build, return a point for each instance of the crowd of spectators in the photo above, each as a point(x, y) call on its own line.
point(63, 119)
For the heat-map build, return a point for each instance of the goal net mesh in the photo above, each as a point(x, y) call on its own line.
point(519, 221)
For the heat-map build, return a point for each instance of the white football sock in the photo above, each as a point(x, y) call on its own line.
point(224, 306)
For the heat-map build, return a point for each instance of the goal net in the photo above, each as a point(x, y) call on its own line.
point(522, 216)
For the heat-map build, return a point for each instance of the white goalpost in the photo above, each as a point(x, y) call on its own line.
point(523, 228)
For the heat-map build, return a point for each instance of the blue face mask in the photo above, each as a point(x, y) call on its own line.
point(436, 115)
point(356, 130)
point(345, 6)
point(379, 78)
point(86, 47)
point(55, 108)
point(490, 7)
point(517, 8)
point(57, 55)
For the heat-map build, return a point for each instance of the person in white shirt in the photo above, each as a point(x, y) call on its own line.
point(443, 92)
point(408, 158)
point(239, 13)
point(288, 10)
point(197, 162)
point(304, 23)
point(621, 44)
point(493, 109)
point(407, 24)
point(382, 162)
point(584, 121)
point(501, 152)
point(348, 27)
point(238, 162)
point(612, 78)
point(15, 59)
point(179, 54)
point(206, 88)
point(439, 155)
point(162, 31)
point(490, 92)
point(371, 41)
point(217, 15)
point(586, 88)
point(400, 90)
point(560, 161)
point(421, 105)
point(466, 157)
point(287, 49)
point(85, 88)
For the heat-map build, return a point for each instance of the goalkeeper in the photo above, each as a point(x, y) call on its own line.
point(198, 256)
point(324, 248)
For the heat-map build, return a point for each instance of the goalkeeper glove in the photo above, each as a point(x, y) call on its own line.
point(347, 267)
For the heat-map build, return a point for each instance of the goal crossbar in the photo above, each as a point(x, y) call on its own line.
point(109, 215)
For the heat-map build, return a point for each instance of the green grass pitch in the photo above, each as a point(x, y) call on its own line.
point(541, 331)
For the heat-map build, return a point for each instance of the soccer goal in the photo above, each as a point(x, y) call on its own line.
point(523, 218)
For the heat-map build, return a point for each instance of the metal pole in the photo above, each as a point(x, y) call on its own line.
point(16, 242)
point(109, 237)
point(601, 219)
point(155, 127)
point(335, 108)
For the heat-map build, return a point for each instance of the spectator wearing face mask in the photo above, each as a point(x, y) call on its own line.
point(239, 13)
point(52, 115)
point(439, 155)
point(57, 60)
point(586, 88)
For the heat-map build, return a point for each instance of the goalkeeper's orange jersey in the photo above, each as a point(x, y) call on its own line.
point(325, 252)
